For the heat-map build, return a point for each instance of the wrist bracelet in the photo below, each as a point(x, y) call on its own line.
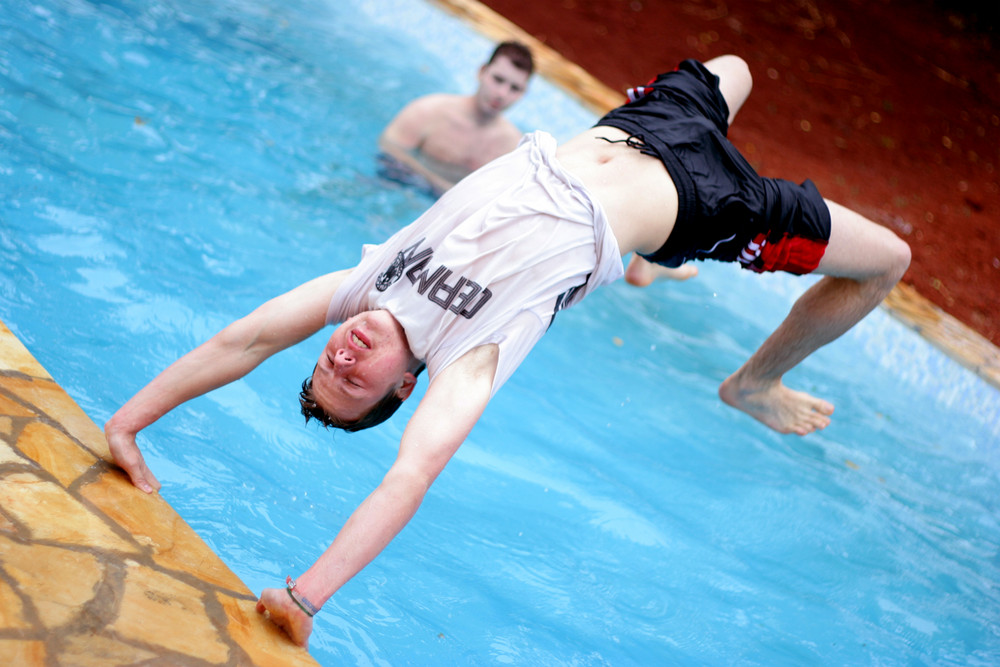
point(307, 607)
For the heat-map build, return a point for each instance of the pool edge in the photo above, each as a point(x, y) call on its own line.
point(90, 565)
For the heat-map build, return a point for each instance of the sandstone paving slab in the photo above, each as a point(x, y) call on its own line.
point(15, 357)
point(155, 524)
point(12, 610)
point(49, 400)
point(155, 608)
point(53, 514)
point(55, 452)
point(88, 650)
point(26, 653)
point(10, 409)
point(8, 455)
point(62, 588)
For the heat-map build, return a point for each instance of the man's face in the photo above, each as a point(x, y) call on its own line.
point(500, 85)
point(366, 357)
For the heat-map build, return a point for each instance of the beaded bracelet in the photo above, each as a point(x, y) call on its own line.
point(307, 607)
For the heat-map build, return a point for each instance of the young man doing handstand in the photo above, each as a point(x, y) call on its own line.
point(474, 283)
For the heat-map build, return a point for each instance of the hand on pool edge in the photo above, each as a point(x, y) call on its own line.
point(126, 454)
point(276, 605)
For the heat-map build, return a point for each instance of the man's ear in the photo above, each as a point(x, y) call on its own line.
point(405, 389)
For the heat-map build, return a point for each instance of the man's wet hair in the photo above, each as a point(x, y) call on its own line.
point(518, 54)
point(385, 408)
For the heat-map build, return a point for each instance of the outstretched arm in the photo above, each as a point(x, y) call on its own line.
point(227, 356)
point(451, 407)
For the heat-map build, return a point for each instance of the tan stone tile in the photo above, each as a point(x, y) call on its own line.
point(97, 651)
point(262, 640)
point(153, 522)
point(159, 610)
point(53, 450)
point(49, 398)
point(59, 581)
point(12, 408)
point(11, 609)
point(50, 513)
point(23, 653)
point(8, 455)
point(15, 357)
point(7, 527)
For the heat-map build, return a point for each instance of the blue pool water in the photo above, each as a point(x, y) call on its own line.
point(167, 166)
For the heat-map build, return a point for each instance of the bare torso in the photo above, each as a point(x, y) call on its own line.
point(458, 141)
point(635, 190)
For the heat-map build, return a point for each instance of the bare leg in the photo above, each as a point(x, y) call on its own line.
point(642, 273)
point(862, 263)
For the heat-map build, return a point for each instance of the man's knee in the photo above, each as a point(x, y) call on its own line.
point(862, 249)
point(892, 258)
point(893, 252)
point(899, 255)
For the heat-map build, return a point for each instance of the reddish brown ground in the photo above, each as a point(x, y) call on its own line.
point(891, 106)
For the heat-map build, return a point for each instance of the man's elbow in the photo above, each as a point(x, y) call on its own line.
point(385, 145)
point(395, 143)
point(408, 484)
point(241, 337)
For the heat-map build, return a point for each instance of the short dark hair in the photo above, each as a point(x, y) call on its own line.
point(385, 408)
point(518, 54)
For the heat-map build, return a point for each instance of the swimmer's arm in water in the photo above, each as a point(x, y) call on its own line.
point(229, 355)
point(403, 137)
point(451, 407)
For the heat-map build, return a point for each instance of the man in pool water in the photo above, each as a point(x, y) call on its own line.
point(474, 283)
point(439, 139)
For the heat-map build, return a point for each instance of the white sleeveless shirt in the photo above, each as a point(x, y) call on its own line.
point(492, 261)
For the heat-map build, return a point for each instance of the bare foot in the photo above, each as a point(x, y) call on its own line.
point(777, 406)
point(642, 273)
